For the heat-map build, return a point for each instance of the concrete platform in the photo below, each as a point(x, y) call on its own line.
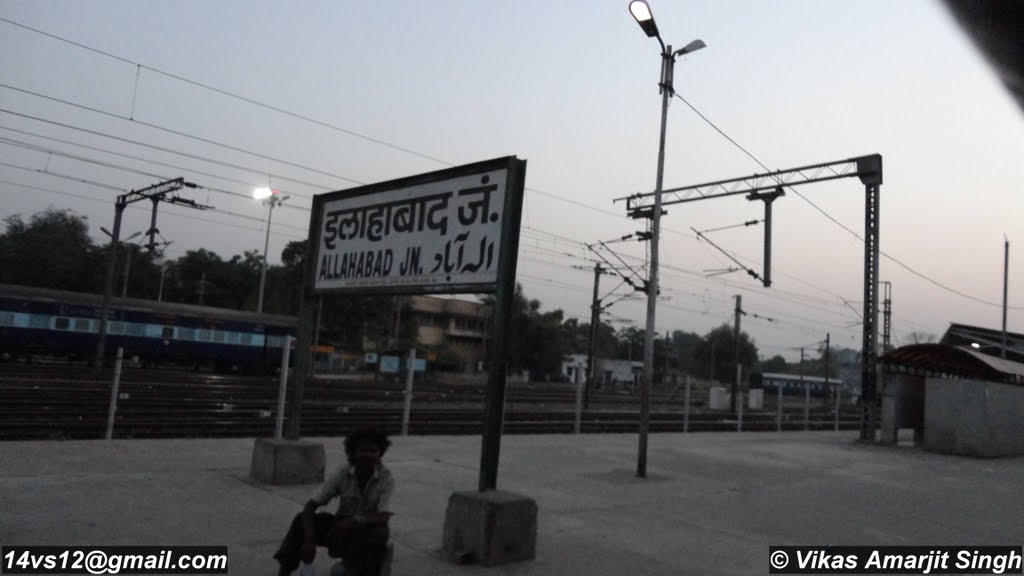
point(712, 504)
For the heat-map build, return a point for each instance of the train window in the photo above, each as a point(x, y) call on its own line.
point(168, 332)
point(61, 323)
point(83, 325)
point(186, 334)
point(39, 321)
point(218, 336)
point(246, 339)
point(273, 341)
point(115, 328)
point(6, 318)
point(202, 335)
point(135, 329)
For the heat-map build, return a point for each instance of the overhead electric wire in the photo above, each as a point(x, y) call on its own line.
point(66, 177)
point(141, 209)
point(302, 117)
point(179, 133)
point(164, 164)
point(837, 222)
point(697, 276)
point(321, 123)
point(110, 187)
point(164, 177)
point(167, 150)
point(254, 102)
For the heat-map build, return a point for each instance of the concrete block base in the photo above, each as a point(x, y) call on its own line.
point(490, 528)
point(281, 462)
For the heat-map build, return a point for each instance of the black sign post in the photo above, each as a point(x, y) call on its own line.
point(494, 411)
point(434, 233)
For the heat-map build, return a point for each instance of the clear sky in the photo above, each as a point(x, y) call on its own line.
point(572, 88)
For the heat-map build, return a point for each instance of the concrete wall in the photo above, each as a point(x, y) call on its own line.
point(974, 418)
point(902, 405)
point(608, 369)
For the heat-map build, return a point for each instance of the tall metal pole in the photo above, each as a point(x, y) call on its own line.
point(828, 354)
point(152, 225)
point(160, 293)
point(869, 355)
point(1006, 281)
point(266, 246)
point(282, 387)
point(127, 271)
point(886, 317)
point(114, 391)
point(667, 65)
point(595, 320)
point(304, 333)
point(711, 369)
point(736, 353)
point(804, 388)
point(108, 290)
point(409, 378)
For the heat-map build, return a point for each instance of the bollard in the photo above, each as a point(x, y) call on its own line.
point(838, 394)
point(113, 394)
point(807, 406)
point(282, 387)
point(778, 416)
point(686, 406)
point(410, 376)
point(739, 411)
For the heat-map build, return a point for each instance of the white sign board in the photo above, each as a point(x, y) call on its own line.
point(426, 235)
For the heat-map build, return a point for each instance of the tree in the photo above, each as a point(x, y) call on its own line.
point(538, 341)
point(716, 349)
point(684, 346)
point(922, 337)
point(631, 343)
point(52, 250)
point(776, 364)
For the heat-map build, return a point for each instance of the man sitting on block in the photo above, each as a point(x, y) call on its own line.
point(358, 533)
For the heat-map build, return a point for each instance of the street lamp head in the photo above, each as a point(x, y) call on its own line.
point(691, 47)
point(262, 193)
point(641, 12)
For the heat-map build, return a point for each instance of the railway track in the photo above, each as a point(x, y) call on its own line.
point(66, 403)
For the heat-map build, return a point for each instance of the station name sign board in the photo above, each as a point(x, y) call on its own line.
point(440, 232)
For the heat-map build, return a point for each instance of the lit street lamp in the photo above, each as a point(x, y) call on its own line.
point(641, 12)
point(271, 199)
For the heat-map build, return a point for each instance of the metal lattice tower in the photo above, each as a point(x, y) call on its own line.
point(869, 170)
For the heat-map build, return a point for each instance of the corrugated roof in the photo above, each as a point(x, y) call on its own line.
point(942, 359)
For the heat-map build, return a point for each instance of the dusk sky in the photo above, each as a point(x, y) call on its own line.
point(571, 87)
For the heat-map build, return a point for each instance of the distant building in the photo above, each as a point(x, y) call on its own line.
point(985, 340)
point(453, 332)
point(609, 370)
point(849, 371)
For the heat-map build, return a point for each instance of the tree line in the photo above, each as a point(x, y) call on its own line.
point(53, 249)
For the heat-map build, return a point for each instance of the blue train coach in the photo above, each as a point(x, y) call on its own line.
point(794, 384)
point(39, 321)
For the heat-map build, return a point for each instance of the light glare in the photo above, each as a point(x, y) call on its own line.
point(262, 193)
point(640, 10)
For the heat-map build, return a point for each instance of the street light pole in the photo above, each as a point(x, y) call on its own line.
point(642, 13)
point(271, 199)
